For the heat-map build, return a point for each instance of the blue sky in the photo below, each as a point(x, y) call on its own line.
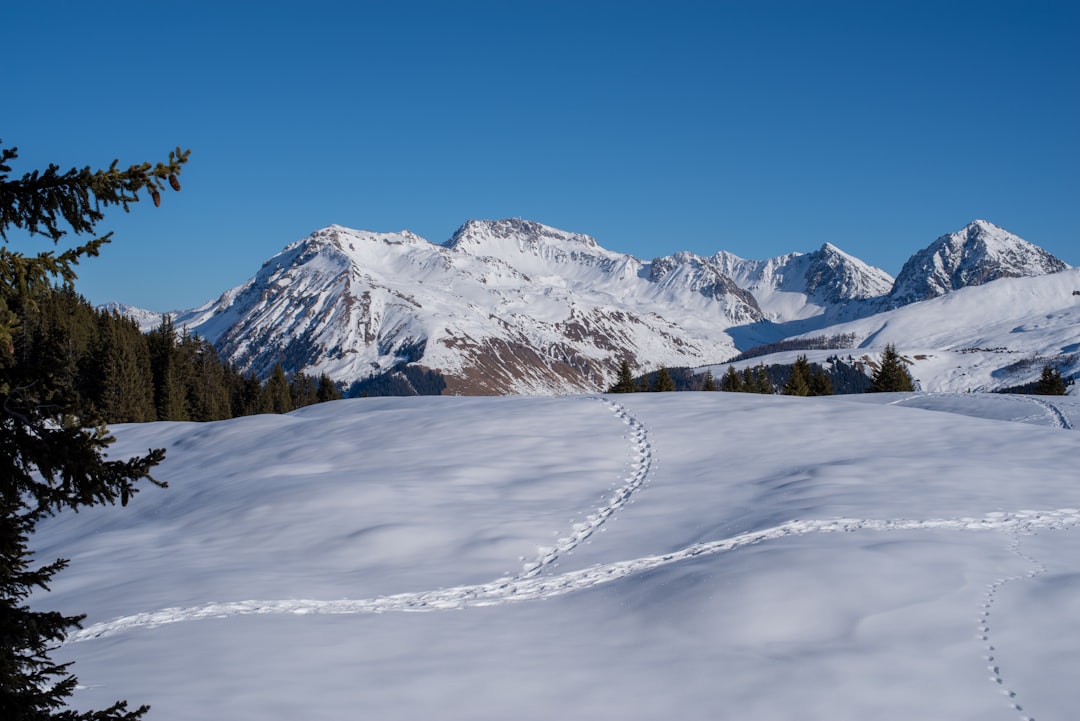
point(756, 127)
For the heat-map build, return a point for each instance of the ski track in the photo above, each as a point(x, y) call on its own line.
point(1060, 419)
point(1057, 416)
point(532, 583)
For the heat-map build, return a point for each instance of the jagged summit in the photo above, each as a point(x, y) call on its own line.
point(516, 306)
point(833, 276)
point(976, 254)
point(526, 235)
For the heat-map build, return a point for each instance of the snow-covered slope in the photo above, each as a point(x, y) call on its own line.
point(980, 338)
point(503, 307)
point(634, 557)
point(799, 286)
point(147, 320)
point(978, 253)
point(514, 306)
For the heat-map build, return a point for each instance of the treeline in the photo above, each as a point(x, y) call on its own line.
point(835, 376)
point(819, 342)
point(116, 373)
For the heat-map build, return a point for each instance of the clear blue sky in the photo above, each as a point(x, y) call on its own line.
point(756, 127)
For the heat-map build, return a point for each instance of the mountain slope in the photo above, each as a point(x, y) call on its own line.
point(978, 253)
point(502, 307)
point(514, 306)
point(980, 338)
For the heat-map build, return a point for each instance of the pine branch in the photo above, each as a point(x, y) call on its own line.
point(43, 202)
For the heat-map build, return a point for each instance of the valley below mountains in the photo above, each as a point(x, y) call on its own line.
point(516, 307)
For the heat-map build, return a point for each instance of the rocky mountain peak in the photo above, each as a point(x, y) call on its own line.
point(528, 235)
point(978, 253)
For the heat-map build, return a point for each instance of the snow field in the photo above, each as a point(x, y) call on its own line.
point(711, 555)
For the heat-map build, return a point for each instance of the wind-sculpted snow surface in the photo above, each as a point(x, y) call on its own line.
point(704, 555)
point(527, 587)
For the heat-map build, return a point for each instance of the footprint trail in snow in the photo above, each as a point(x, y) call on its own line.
point(526, 588)
point(641, 465)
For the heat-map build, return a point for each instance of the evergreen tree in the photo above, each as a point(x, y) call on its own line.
point(203, 376)
point(749, 380)
point(820, 383)
point(762, 383)
point(731, 381)
point(1050, 382)
point(798, 382)
point(123, 384)
point(891, 376)
point(327, 390)
point(170, 397)
point(276, 397)
point(52, 449)
point(625, 383)
point(302, 390)
point(247, 395)
point(663, 382)
point(709, 384)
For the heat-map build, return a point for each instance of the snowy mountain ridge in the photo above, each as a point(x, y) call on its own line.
point(515, 306)
point(977, 254)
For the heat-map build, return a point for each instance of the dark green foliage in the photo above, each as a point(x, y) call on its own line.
point(798, 382)
point(276, 397)
point(662, 381)
point(763, 383)
point(402, 380)
point(625, 382)
point(731, 381)
point(846, 376)
point(820, 383)
point(752, 379)
point(891, 376)
point(709, 384)
point(118, 378)
point(327, 390)
point(821, 342)
point(52, 436)
point(1050, 383)
point(302, 390)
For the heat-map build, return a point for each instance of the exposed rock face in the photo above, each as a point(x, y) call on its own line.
point(977, 254)
point(514, 306)
point(508, 306)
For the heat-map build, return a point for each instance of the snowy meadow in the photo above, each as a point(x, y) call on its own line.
point(641, 556)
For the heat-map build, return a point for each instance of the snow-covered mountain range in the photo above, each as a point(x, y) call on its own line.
point(514, 306)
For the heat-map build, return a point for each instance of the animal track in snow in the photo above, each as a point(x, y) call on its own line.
point(983, 628)
point(641, 466)
point(521, 588)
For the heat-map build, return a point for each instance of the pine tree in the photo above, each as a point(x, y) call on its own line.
point(709, 384)
point(625, 383)
point(820, 383)
point(663, 382)
point(302, 390)
point(761, 382)
point(170, 396)
point(1050, 382)
point(52, 449)
point(276, 397)
point(731, 381)
point(327, 390)
point(121, 372)
point(798, 382)
point(891, 376)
